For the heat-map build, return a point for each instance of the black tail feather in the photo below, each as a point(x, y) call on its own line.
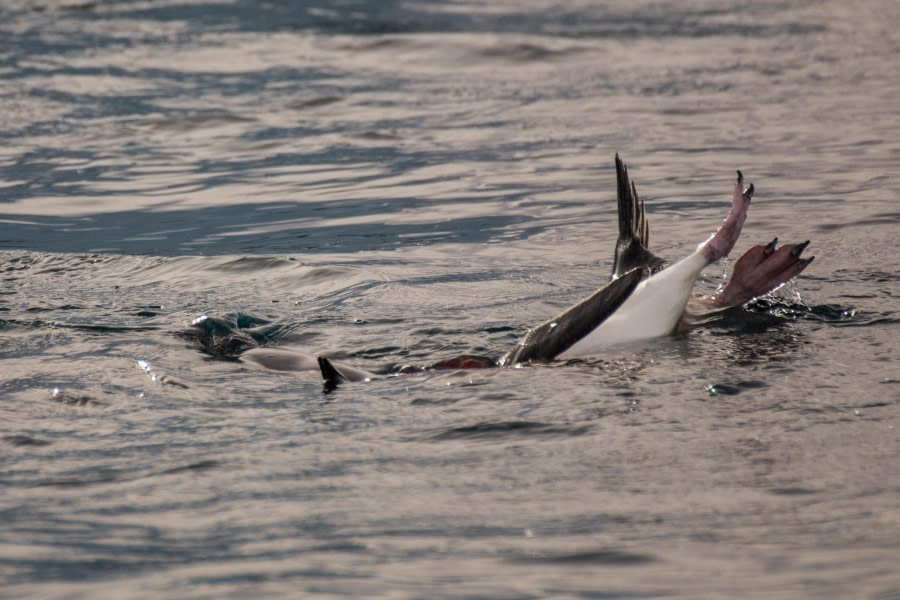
point(634, 230)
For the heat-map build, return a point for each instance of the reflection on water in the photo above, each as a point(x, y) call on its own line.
point(392, 184)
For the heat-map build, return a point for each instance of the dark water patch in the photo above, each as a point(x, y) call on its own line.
point(288, 575)
point(244, 320)
point(774, 307)
point(378, 353)
point(840, 411)
point(66, 7)
point(249, 264)
point(170, 381)
point(733, 389)
point(77, 481)
point(525, 52)
point(829, 313)
point(880, 403)
point(391, 18)
point(793, 491)
point(199, 120)
point(594, 557)
point(317, 275)
point(61, 264)
point(889, 219)
point(435, 401)
point(73, 398)
point(853, 277)
point(38, 309)
point(105, 550)
point(504, 430)
point(24, 440)
point(516, 331)
point(752, 318)
point(111, 476)
point(94, 328)
point(18, 263)
point(763, 314)
point(214, 232)
point(76, 569)
point(107, 328)
point(891, 593)
point(196, 466)
point(377, 136)
point(314, 102)
point(840, 316)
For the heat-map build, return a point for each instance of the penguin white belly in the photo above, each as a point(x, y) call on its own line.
point(653, 309)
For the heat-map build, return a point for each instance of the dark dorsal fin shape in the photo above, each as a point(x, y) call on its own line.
point(554, 337)
point(329, 373)
point(634, 231)
point(334, 374)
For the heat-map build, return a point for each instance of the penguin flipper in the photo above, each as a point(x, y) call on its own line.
point(334, 374)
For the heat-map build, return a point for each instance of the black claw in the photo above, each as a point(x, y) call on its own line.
point(750, 191)
point(805, 262)
point(799, 248)
point(770, 247)
point(740, 178)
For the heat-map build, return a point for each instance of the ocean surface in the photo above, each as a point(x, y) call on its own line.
point(392, 183)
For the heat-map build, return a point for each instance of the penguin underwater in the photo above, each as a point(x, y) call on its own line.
point(645, 298)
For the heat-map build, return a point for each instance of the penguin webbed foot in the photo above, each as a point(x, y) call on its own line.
point(721, 243)
point(762, 269)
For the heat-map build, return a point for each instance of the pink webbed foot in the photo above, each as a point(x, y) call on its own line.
point(760, 270)
point(720, 244)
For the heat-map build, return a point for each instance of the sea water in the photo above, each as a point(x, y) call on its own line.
point(395, 183)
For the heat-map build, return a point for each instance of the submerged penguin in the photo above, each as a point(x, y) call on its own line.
point(644, 298)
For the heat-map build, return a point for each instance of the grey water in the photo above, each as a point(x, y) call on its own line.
point(393, 183)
